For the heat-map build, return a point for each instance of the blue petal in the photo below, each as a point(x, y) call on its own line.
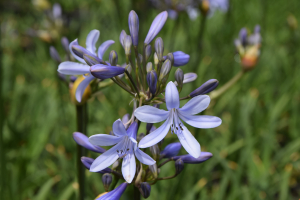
point(171, 150)
point(143, 157)
point(189, 143)
point(103, 47)
point(172, 96)
point(191, 160)
point(106, 159)
point(128, 167)
point(91, 40)
point(195, 105)
point(150, 114)
point(104, 71)
point(201, 121)
point(157, 135)
point(119, 129)
point(82, 86)
point(104, 140)
point(73, 54)
point(87, 162)
point(73, 68)
point(83, 140)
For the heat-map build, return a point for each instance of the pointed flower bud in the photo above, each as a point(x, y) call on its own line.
point(155, 60)
point(171, 58)
point(104, 71)
point(65, 44)
point(148, 51)
point(180, 58)
point(87, 162)
point(92, 60)
point(159, 48)
point(106, 180)
point(179, 76)
point(114, 194)
point(83, 140)
point(165, 70)
point(133, 23)
point(127, 45)
point(243, 36)
point(205, 88)
point(179, 165)
point(170, 150)
point(149, 67)
point(153, 169)
point(152, 81)
point(156, 26)
point(122, 37)
point(191, 160)
point(155, 151)
point(145, 189)
point(189, 77)
point(113, 58)
point(54, 55)
point(79, 50)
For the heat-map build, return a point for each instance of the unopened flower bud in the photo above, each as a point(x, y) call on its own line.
point(154, 171)
point(54, 55)
point(149, 67)
point(243, 36)
point(148, 51)
point(191, 160)
point(165, 70)
point(180, 58)
point(145, 189)
point(122, 38)
point(104, 71)
point(155, 151)
point(92, 60)
point(170, 150)
point(114, 194)
point(205, 88)
point(179, 166)
point(113, 58)
point(156, 26)
point(106, 180)
point(133, 23)
point(80, 51)
point(65, 44)
point(152, 81)
point(156, 61)
point(127, 45)
point(170, 56)
point(179, 76)
point(159, 48)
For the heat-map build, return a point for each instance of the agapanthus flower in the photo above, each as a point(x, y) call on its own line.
point(126, 148)
point(173, 118)
point(74, 68)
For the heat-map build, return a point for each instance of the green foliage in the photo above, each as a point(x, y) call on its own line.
point(256, 149)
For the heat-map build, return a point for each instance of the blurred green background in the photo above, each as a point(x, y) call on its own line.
point(256, 149)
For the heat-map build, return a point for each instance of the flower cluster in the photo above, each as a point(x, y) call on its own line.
point(148, 84)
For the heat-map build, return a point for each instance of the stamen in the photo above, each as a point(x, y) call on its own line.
point(124, 150)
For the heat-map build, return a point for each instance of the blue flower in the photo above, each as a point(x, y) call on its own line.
point(173, 118)
point(114, 194)
point(74, 68)
point(126, 148)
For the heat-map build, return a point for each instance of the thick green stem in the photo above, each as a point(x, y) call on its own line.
point(228, 85)
point(81, 117)
point(136, 193)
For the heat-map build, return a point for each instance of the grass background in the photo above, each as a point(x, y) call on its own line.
point(256, 149)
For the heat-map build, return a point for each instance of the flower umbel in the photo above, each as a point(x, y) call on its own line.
point(173, 118)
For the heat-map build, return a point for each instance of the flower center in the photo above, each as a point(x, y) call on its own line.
point(176, 127)
point(125, 148)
